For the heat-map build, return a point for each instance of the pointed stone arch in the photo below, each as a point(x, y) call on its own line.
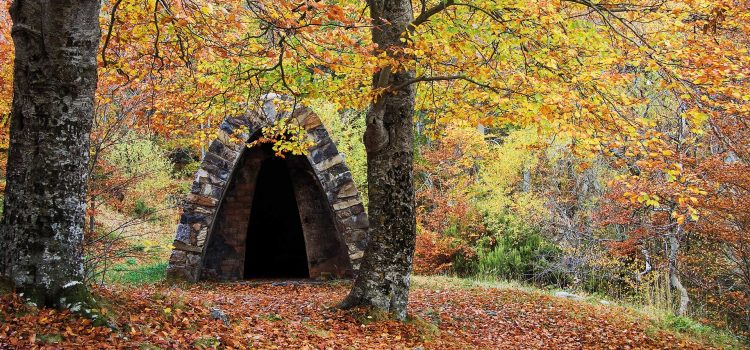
point(211, 237)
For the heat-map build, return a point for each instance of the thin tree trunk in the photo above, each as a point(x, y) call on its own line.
point(54, 81)
point(383, 278)
point(674, 275)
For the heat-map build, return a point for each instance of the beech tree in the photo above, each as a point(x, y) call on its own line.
point(383, 277)
point(54, 81)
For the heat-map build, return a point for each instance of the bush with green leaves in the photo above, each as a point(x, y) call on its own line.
point(517, 251)
point(145, 169)
point(346, 129)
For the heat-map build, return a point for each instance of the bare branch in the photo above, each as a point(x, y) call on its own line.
point(109, 31)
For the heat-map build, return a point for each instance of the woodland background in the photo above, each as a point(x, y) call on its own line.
point(598, 151)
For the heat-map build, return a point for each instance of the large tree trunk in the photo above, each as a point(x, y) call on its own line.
point(54, 81)
point(383, 278)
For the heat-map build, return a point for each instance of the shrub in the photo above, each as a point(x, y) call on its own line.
point(144, 171)
point(346, 129)
point(141, 209)
point(438, 254)
point(517, 251)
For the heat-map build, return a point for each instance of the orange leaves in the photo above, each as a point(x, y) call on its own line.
point(335, 13)
point(294, 315)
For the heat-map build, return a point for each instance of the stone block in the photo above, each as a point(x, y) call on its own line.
point(359, 235)
point(343, 214)
point(189, 218)
point(359, 221)
point(216, 191)
point(217, 180)
point(325, 151)
point(329, 163)
point(178, 257)
point(217, 161)
point(310, 121)
point(357, 209)
point(201, 176)
point(347, 189)
point(361, 243)
point(226, 127)
point(345, 204)
point(207, 190)
point(268, 111)
point(196, 187)
point(223, 151)
point(178, 245)
point(205, 201)
point(339, 173)
point(202, 237)
point(218, 174)
point(183, 233)
point(334, 181)
point(318, 135)
point(236, 122)
point(193, 259)
point(225, 138)
point(203, 210)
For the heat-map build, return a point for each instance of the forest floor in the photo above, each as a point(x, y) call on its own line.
point(446, 313)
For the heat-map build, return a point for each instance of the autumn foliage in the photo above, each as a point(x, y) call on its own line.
point(291, 315)
point(615, 135)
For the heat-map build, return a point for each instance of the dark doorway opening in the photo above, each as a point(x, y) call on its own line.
point(275, 242)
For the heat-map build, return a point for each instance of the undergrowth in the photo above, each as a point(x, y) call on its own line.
point(137, 275)
point(660, 319)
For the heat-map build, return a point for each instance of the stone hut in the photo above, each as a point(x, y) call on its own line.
point(251, 214)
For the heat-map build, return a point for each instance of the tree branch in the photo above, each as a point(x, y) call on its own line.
point(426, 14)
point(109, 31)
point(453, 77)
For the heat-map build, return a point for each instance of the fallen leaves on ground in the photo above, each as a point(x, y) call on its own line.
point(294, 315)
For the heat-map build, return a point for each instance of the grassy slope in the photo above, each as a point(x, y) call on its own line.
point(655, 320)
point(447, 313)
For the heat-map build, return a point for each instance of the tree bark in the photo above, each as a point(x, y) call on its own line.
point(54, 82)
point(383, 278)
point(674, 273)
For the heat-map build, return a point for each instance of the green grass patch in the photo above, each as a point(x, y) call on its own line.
point(146, 274)
point(428, 331)
point(206, 343)
point(49, 338)
point(696, 330)
point(270, 317)
point(447, 282)
point(318, 332)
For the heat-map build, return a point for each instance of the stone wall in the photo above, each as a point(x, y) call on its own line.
point(223, 162)
point(224, 256)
